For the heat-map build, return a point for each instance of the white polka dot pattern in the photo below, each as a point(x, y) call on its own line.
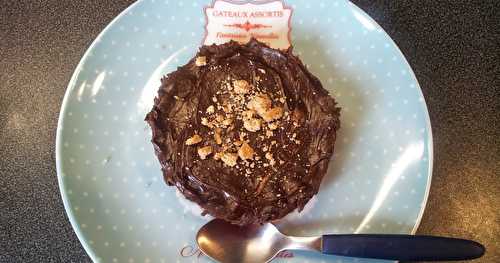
point(111, 182)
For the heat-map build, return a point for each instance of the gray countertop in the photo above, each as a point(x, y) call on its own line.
point(451, 45)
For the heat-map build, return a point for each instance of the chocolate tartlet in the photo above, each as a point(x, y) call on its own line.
point(245, 131)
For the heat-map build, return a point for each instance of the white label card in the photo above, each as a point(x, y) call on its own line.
point(267, 21)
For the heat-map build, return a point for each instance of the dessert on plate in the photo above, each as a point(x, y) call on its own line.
point(245, 131)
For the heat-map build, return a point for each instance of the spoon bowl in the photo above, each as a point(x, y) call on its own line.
point(226, 242)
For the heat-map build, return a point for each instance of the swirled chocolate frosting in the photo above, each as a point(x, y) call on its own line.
point(244, 131)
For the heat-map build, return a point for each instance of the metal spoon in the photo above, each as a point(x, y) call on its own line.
point(225, 242)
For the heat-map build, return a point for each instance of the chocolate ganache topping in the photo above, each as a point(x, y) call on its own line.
point(245, 131)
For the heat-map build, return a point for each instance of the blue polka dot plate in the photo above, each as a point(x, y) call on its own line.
point(110, 180)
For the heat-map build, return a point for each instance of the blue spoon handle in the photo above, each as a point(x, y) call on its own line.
point(401, 247)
